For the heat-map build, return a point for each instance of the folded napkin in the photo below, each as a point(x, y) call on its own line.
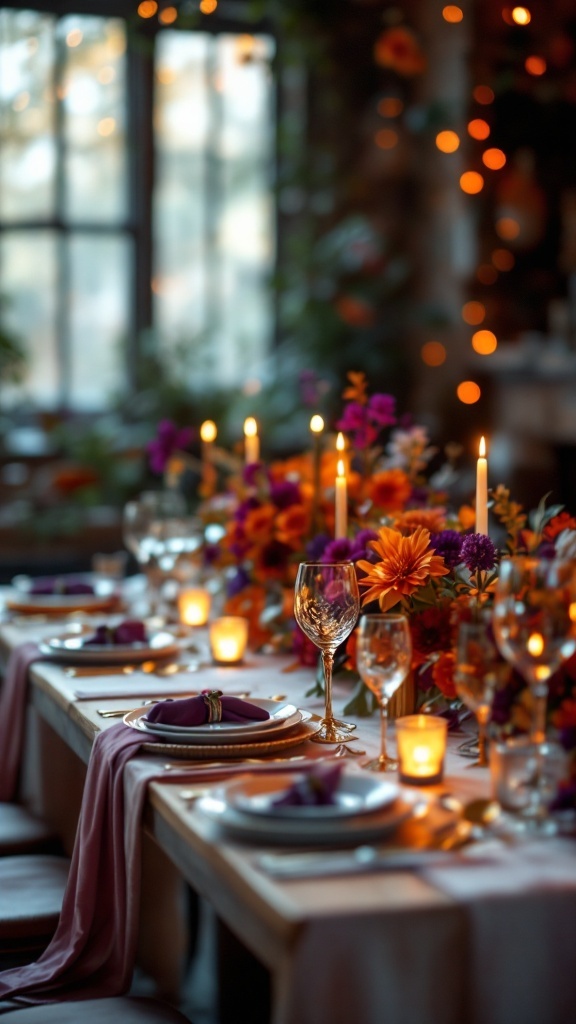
point(211, 706)
point(60, 585)
point(12, 716)
point(131, 631)
point(315, 789)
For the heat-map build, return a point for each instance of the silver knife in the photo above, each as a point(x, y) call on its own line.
point(320, 863)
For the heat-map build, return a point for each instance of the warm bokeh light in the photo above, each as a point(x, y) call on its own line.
point(166, 75)
point(433, 353)
point(535, 65)
point(340, 468)
point(386, 138)
point(473, 313)
point(340, 442)
point(486, 274)
point(250, 427)
point(147, 9)
point(316, 424)
point(168, 16)
point(447, 141)
point(521, 16)
point(468, 392)
point(482, 448)
point(74, 37)
point(484, 342)
point(390, 106)
point(107, 126)
point(494, 159)
point(503, 259)
point(208, 6)
point(471, 182)
point(452, 14)
point(535, 644)
point(106, 75)
point(478, 128)
point(484, 95)
point(208, 431)
point(507, 228)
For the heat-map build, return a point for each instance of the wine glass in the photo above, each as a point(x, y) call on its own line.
point(476, 676)
point(383, 658)
point(326, 606)
point(535, 623)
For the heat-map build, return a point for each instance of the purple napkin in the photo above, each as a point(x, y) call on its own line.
point(315, 789)
point(12, 716)
point(197, 711)
point(60, 585)
point(131, 631)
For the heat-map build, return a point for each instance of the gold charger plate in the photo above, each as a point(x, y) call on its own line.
point(208, 751)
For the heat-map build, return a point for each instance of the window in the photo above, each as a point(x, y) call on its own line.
point(87, 233)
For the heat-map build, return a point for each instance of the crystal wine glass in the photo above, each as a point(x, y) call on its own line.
point(535, 623)
point(158, 532)
point(383, 658)
point(326, 606)
point(476, 675)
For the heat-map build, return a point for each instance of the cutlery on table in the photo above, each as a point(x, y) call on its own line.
point(156, 668)
point(363, 859)
point(231, 762)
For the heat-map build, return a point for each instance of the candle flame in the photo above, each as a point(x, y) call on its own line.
point(340, 443)
point(317, 424)
point(250, 427)
point(340, 468)
point(482, 448)
point(208, 431)
point(535, 644)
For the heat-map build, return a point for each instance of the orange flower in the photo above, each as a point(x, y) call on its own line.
point(355, 391)
point(259, 524)
point(443, 674)
point(292, 525)
point(563, 521)
point(407, 564)
point(398, 48)
point(467, 517)
point(390, 490)
point(432, 519)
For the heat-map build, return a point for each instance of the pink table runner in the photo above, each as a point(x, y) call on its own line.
point(12, 716)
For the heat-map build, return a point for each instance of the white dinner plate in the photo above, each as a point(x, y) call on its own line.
point(219, 732)
point(356, 794)
point(23, 600)
point(350, 830)
point(72, 647)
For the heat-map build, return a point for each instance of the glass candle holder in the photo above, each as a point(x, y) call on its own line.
point(194, 606)
point(421, 741)
point(228, 639)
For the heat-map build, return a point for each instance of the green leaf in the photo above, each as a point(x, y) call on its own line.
point(362, 702)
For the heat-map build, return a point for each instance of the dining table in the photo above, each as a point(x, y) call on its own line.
point(394, 927)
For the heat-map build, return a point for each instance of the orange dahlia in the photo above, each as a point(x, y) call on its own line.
point(407, 563)
point(390, 490)
point(431, 519)
point(292, 524)
point(443, 674)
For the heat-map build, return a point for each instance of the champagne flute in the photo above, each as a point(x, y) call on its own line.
point(326, 607)
point(383, 658)
point(476, 677)
point(535, 623)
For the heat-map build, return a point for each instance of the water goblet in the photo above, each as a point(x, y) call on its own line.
point(326, 607)
point(476, 675)
point(383, 658)
point(535, 623)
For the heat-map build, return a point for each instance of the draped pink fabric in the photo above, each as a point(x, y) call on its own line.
point(92, 952)
point(12, 717)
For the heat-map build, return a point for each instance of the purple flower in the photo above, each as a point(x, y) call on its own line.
point(448, 543)
point(338, 551)
point(285, 493)
point(381, 409)
point(237, 583)
point(354, 417)
point(360, 547)
point(169, 439)
point(316, 547)
point(478, 552)
point(245, 507)
point(418, 497)
point(252, 472)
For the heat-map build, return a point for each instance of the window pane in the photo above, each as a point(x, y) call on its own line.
point(29, 273)
point(100, 275)
point(213, 213)
point(93, 96)
point(27, 154)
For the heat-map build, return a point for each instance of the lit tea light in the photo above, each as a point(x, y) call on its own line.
point(194, 606)
point(228, 639)
point(421, 741)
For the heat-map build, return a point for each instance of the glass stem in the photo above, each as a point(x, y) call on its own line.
point(482, 715)
point(328, 663)
point(383, 729)
point(540, 694)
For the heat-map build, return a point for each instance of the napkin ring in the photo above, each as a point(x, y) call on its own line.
point(214, 705)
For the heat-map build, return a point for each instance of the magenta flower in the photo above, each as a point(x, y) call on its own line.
point(169, 439)
point(381, 409)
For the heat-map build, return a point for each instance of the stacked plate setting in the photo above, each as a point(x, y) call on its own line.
point(283, 717)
